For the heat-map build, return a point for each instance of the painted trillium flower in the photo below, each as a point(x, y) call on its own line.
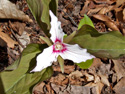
point(66, 51)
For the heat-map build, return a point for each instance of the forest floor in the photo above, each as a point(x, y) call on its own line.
point(105, 76)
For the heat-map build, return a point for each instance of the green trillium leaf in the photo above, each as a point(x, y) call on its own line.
point(103, 45)
point(86, 20)
point(20, 80)
point(53, 6)
point(40, 10)
point(85, 65)
point(13, 66)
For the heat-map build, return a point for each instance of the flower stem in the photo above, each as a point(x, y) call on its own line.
point(61, 62)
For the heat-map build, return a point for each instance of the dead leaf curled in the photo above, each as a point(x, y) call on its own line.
point(10, 42)
point(9, 10)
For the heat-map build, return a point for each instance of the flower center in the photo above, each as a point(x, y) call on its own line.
point(58, 46)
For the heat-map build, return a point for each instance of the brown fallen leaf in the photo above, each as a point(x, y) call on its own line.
point(92, 5)
point(123, 29)
point(104, 80)
point(99, 77)
point(76, 10)
point(17, 27)
point(119, 88)
point(98, 86)
point(2, 43)
point(119, 2)
point(70, 7)
point(96, 63)
point(79, 90)
point(9, 10)
point(76, 74)
point(85, 8)
point(88, 76)
point(114, 78)
point(105, 1)
point(10, 42)
point(63, 21)
point(38, 89)
point(70, 89)
point(119, 13)
point(49, 89)
point(94, 11)
point(102, 7)
point(65, 81)
point(59, 89)
point(107, 21)
point(124, 14)
point(96, 78)
point(58, 79)
point(119, 69)
point(75, 78)
point(106, 9)
point(67, 68)
point(24, 39)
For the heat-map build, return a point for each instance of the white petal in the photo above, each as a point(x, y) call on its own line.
point(56, 30)
point(76, 54)
point(45, 59)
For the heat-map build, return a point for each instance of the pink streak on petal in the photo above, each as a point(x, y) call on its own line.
point(58, 40)
point(63, 50)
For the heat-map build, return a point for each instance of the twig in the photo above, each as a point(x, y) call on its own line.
point(69, 17)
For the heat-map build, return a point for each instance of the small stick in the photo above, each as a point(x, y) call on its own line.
point(69, 17)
